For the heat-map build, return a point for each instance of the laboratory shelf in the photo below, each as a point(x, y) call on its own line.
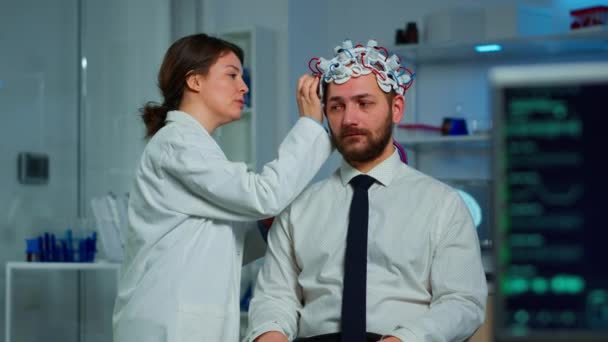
point(23, 265)
point(594, 40)
point(411, 141)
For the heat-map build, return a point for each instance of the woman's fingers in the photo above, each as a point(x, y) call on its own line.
point(308, 100)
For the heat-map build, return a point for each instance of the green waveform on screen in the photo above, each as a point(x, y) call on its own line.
point(527, 240)
point(564, 195)
point(524, 178)
point(523, 147)
point(547, 129)
point(567, 284)
point(549, 254)
point(526, 209)
point(561, 158)
point(559, 284)
point(555, 222)
point(527, 106)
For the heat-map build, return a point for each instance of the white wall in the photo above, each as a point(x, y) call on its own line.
point(39, 94)
point(230, 15)
point(38, 109)
point(124, 43)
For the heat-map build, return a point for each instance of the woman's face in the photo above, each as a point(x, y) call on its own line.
point(223, 89)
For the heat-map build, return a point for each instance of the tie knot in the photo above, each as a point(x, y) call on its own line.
point(362, 182)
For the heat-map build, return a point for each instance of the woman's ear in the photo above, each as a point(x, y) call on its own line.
point(194, 82)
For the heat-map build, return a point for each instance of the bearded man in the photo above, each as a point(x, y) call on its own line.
point(379, 250)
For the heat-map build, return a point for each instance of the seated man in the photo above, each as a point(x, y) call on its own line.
point(401, 262)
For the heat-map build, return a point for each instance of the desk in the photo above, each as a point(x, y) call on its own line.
point(50, 266)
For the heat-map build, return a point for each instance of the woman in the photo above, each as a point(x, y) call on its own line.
point(181, 274)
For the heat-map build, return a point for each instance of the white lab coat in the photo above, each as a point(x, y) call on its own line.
point(184, 244)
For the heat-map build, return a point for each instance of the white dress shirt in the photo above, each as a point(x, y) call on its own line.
point(425, 280)
point(181, 273)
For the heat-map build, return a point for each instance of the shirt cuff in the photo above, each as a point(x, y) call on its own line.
point(263, 328)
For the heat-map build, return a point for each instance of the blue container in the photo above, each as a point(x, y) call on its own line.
point(454, 126)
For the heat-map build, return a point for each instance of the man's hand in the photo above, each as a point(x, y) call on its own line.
point(272, 336)
point(390, 339)
point(309, 103)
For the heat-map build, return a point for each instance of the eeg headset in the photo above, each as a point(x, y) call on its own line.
point(354, 61)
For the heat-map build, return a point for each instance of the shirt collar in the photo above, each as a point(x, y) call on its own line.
point(383, 172)
point(185, 119)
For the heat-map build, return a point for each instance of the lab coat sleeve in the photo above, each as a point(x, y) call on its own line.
point(207, 184)
point(458, 283)
point(277, 296)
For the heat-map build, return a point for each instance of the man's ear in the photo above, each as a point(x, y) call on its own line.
point(194, 82)
point(397, 108)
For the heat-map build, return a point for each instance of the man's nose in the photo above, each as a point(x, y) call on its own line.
point(350, 115)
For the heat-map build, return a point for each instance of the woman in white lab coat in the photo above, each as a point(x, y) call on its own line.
point(181, 273)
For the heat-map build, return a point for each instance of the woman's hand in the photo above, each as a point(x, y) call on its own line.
point(309, 103)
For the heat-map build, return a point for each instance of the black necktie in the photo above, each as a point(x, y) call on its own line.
point(355, 263)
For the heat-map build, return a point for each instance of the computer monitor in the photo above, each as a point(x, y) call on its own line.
point(550, 207)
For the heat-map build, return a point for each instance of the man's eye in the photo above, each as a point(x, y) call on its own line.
point(233, 76)
point(365, 104)
point(335, 107)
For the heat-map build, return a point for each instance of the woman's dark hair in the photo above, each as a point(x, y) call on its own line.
point(195, 53)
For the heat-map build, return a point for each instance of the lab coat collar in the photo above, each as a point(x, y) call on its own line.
point(383, 172)
point(184, 118)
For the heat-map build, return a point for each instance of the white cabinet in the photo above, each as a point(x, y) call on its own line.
point(252, 138)
point(14, 268)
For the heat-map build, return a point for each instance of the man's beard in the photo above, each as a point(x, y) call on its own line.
point(372, 150)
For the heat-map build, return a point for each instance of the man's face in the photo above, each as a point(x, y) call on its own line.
point(361, 118)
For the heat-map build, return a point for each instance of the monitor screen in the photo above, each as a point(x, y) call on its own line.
point(550, 228)
point(476, 195)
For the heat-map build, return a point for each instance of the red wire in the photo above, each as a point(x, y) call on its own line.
point(409, 84)
point(383, 49)
point(316, 65)
point(419, 126)
point(402, 154)
point(371, 68)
